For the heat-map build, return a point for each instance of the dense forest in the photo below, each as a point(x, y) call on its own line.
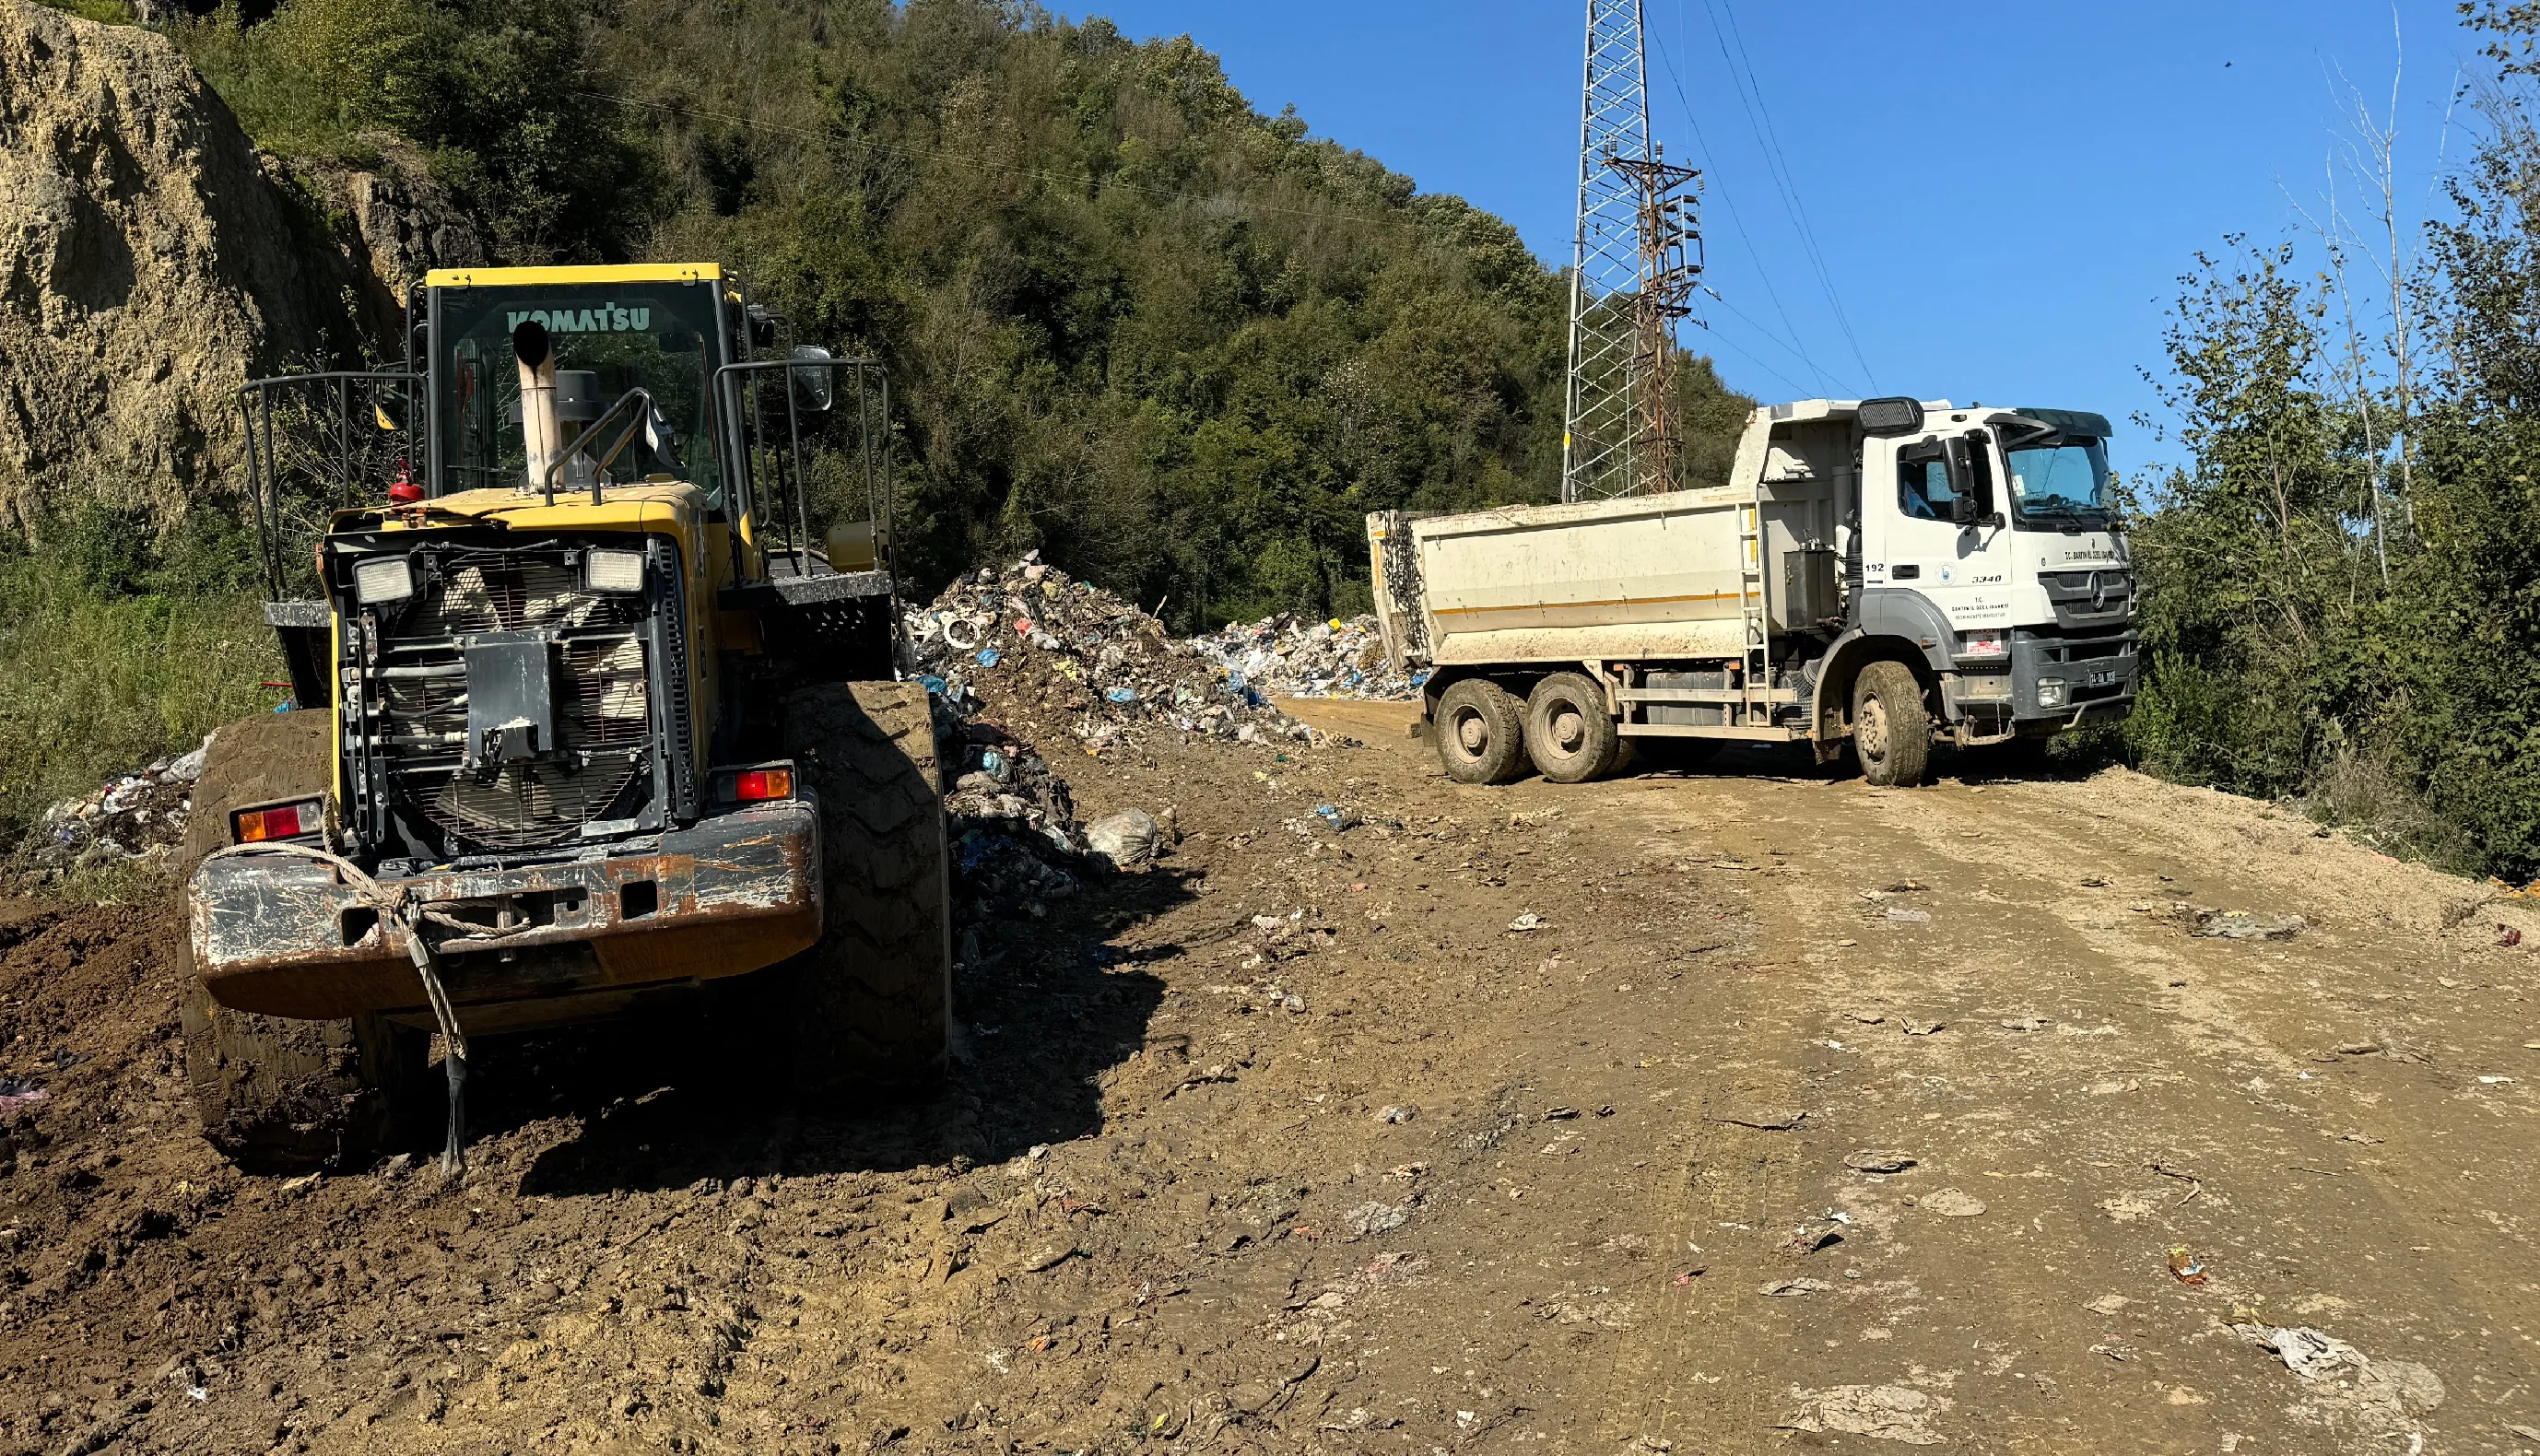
point(1181, 346)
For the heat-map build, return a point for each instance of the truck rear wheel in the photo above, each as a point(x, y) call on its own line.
point(868, 1008)
point(277, 1094)
point(1891, 728)
point(1480, 732)
point(1569, 734)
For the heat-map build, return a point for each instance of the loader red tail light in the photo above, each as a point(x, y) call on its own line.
point(276, 822)
point(760, 785)
point(755, 785)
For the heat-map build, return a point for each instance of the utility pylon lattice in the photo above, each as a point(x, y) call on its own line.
point(1635, 260)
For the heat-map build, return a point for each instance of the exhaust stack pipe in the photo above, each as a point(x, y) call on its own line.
point(541, 435)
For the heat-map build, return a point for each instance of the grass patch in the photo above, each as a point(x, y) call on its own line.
point(113, 652)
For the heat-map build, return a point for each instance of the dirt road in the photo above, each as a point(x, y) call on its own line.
point(1497, 1120)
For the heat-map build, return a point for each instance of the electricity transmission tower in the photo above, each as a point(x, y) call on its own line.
point(1635, 261)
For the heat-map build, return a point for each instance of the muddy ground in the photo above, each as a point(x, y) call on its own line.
point(1379, 1172)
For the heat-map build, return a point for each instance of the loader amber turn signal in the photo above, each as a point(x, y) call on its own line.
point(755, 785)
point(277, 822)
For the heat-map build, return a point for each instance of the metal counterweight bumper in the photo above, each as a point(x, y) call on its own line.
point(287, 938)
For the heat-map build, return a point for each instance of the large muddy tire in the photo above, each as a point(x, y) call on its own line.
point(1480, 730)
point(277, 1094)
point(1569, 734)
point(870, 1008)
point(1891, 728)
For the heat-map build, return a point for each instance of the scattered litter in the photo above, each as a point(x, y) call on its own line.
point(1878, 1160)
point(1397, 1114)
point(1950, 1203)
point(1128, 839)
point(1527, 921)
point(1768, 1119)
point(1787, 1288)
point(2238, 925)
point(2185, 1267)
point(2490, 1082)
point(1889, 1412)
point(1560, 1113)
point(19, 1096)
point(2507, 937)
point(139, 816)
point(2344, 1386)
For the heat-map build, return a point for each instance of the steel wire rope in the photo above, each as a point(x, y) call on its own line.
point(400, 913)
point(1759, 117)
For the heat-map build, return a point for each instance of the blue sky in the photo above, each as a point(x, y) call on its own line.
point(2002, 194)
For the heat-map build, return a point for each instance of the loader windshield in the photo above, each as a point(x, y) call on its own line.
point(661, 337)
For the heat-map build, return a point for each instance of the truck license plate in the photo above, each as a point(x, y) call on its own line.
point(2105, 678)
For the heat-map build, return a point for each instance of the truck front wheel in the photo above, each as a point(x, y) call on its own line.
point(1568, 731)
point(1479, 732)
point(1891, 728)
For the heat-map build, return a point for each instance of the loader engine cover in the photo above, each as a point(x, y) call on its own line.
point(511, 699)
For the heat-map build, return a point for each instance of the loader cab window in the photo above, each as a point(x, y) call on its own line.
point(1923, 483)
point(661, 337)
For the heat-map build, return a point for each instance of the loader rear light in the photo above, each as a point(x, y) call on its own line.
point(279, 821)
point(760, 785)
point(763, 784)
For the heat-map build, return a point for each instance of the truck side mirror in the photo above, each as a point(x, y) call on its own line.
point(1980, 477)
point(1963, 481)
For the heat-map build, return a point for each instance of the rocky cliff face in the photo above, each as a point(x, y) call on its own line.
point(150, 261)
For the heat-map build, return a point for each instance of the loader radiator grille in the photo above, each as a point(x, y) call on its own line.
point(599, 766)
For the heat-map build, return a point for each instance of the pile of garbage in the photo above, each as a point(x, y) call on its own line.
point(140, 815)
point(1284, 656)
point(1033, 634)
point(1017, 843)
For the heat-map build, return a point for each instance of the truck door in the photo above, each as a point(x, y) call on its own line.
point(1936, 525)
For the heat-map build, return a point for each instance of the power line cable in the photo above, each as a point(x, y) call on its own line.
point(1750, 94)
point(1737, 221)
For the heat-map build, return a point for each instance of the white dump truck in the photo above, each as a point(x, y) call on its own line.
point(1878, 572)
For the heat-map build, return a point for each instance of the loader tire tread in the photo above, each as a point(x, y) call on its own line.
point(277, 1094)
point(869, 1007)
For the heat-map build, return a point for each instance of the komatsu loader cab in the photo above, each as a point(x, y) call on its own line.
point(586, 718)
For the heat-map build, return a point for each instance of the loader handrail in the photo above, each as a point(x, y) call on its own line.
point(599, 466)
point(263, 465)
point(730, 381)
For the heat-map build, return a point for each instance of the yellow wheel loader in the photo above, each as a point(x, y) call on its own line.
point(591, 630)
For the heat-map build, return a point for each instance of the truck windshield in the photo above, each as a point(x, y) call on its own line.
point(2060, 482)
point(656, 336)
